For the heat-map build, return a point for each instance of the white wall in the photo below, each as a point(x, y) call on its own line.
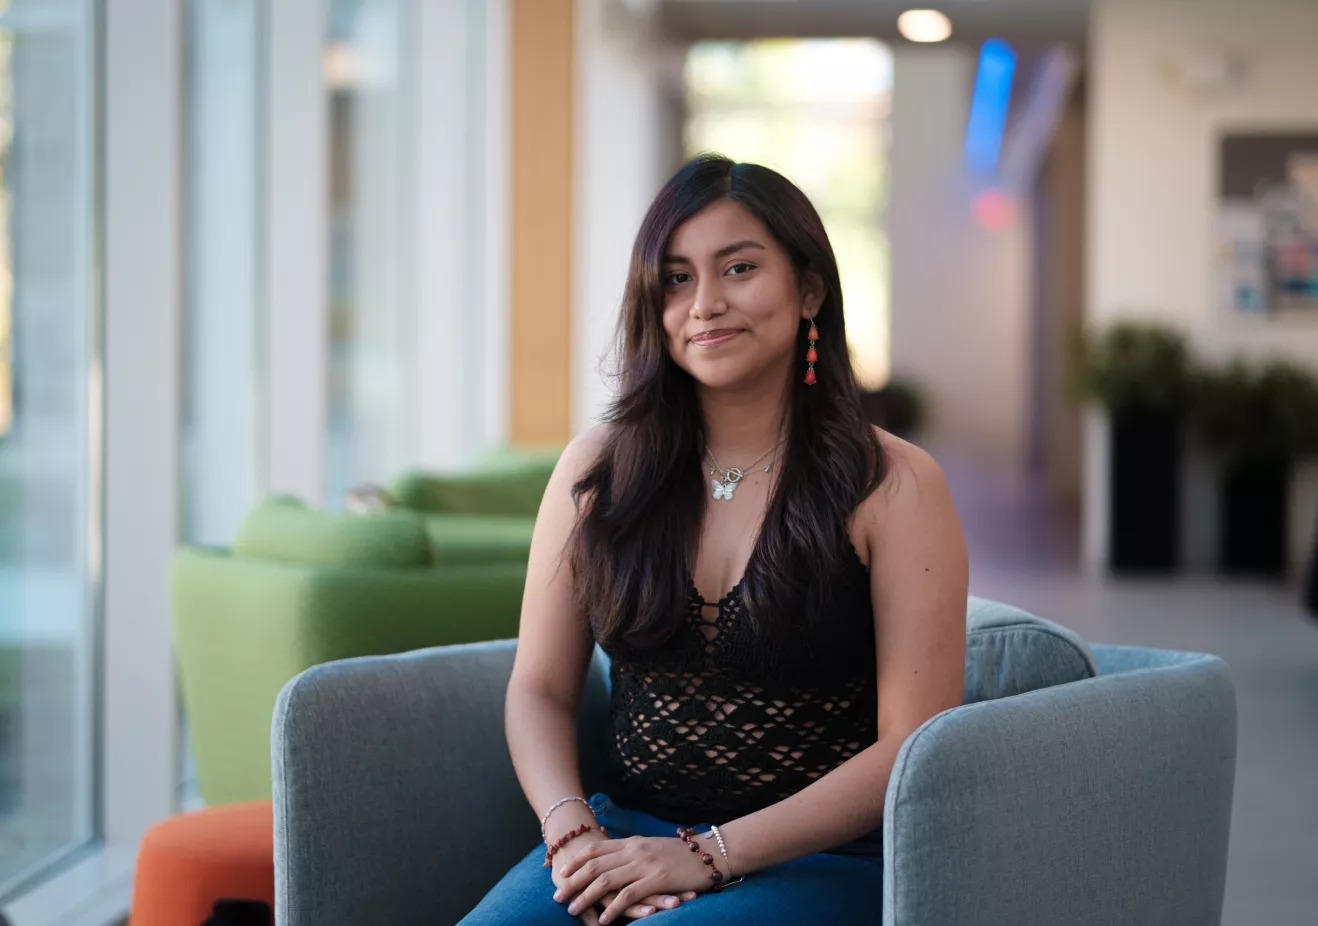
point(960, 294)
point(1152, 160)
point(621, 160)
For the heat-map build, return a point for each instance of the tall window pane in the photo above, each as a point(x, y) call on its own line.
point(49, 445)
point(220, 426)
point(370, 327)
point(219, 447)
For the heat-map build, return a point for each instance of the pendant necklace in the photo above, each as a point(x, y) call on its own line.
point(732, 477)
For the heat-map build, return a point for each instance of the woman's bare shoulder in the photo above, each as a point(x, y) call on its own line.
point(909, 471)
point(909, 463)
point(582, 452)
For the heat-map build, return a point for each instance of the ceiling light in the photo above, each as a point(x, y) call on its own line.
point(924, 25)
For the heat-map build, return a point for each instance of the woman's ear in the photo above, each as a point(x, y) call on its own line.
point(812, 294)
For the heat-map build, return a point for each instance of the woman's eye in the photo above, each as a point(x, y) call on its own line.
point(677, 278)
point(738, 269)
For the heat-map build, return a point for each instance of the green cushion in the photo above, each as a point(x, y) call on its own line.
point(479, 538)
point(285, 530)
point(243, 627)
point(511, 488)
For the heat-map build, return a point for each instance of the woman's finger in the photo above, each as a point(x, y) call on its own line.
point(600, 849)
point(613, 880)
point(689, 895)
point(623, 901)
point(642, 908)
point(571, 886)
point(590, 918)
point(662, 901)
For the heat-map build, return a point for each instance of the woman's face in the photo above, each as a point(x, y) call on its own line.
point(732, 302)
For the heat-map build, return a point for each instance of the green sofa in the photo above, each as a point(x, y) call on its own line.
point(302, 586)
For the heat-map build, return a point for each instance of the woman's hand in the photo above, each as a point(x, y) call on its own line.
point(628, 870)
point(589, 916)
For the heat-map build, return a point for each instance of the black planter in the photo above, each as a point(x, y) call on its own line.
point(1254, 517)
point(1144, 491)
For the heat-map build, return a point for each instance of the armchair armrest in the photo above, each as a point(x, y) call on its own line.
point(1097, 802)
point(395, 797)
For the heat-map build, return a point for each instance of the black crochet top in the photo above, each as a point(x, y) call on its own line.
point(713, 725)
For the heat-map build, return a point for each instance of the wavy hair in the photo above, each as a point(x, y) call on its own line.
point(642, 501)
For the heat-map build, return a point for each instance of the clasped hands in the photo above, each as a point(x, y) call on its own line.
point(635, 877)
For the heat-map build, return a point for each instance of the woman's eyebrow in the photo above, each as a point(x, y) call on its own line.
point(719, 254)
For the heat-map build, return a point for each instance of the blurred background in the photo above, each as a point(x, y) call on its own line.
point(279, 277)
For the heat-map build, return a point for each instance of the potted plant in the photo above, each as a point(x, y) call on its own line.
point(1139, 373)
point(1258, 421)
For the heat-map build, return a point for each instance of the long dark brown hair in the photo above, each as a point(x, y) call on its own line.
point(642, 502)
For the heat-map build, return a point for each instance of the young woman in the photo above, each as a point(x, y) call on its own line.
point(780, 587)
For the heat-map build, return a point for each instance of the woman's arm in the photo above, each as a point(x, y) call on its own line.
point(553, 654)
point(549, 671)
point(919, 580)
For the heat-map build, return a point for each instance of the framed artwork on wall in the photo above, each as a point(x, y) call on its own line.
point(1268, 224)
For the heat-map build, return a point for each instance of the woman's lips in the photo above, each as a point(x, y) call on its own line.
point(716, 337)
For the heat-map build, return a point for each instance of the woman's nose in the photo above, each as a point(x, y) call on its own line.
point(709, 301)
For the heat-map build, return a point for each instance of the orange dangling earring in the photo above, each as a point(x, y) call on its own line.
point(811, 355)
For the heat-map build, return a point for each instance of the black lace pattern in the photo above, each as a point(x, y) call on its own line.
point(714, 725)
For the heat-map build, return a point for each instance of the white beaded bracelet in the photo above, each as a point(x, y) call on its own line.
point(722, 847)
point(558, 804)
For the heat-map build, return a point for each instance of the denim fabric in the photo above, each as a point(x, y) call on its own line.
point(841, 886)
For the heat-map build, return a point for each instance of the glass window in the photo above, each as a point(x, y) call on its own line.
point(371, 331)
point(816, 110)
point(49, 440)
point(219, 465)
point(219, 445)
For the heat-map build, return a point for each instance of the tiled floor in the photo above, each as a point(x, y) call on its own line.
point(1022, 556)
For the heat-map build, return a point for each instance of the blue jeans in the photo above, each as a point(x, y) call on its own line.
point(843, 885)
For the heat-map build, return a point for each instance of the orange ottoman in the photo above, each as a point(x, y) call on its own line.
point(189, 862)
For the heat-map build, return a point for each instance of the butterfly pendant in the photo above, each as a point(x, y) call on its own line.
point(723, 490)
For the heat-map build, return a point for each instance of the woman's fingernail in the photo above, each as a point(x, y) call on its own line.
point(604, 920)
point(647, 909)
point(558, 897)
point(669, 901)
point(572, 908)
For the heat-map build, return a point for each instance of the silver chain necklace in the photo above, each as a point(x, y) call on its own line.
point(732, 477)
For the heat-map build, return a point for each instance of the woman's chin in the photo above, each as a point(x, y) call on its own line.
point(721, 375)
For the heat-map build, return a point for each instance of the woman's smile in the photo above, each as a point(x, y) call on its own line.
point(715, 338)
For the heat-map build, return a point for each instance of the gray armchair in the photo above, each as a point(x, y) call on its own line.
point(1099, 801)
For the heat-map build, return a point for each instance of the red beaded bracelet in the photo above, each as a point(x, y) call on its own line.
point(688, 836)
point(568, 837)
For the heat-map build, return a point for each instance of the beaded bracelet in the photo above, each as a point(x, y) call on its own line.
point(559, 803)
point(688, 836)
point(567, 837)
point(723, 848)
